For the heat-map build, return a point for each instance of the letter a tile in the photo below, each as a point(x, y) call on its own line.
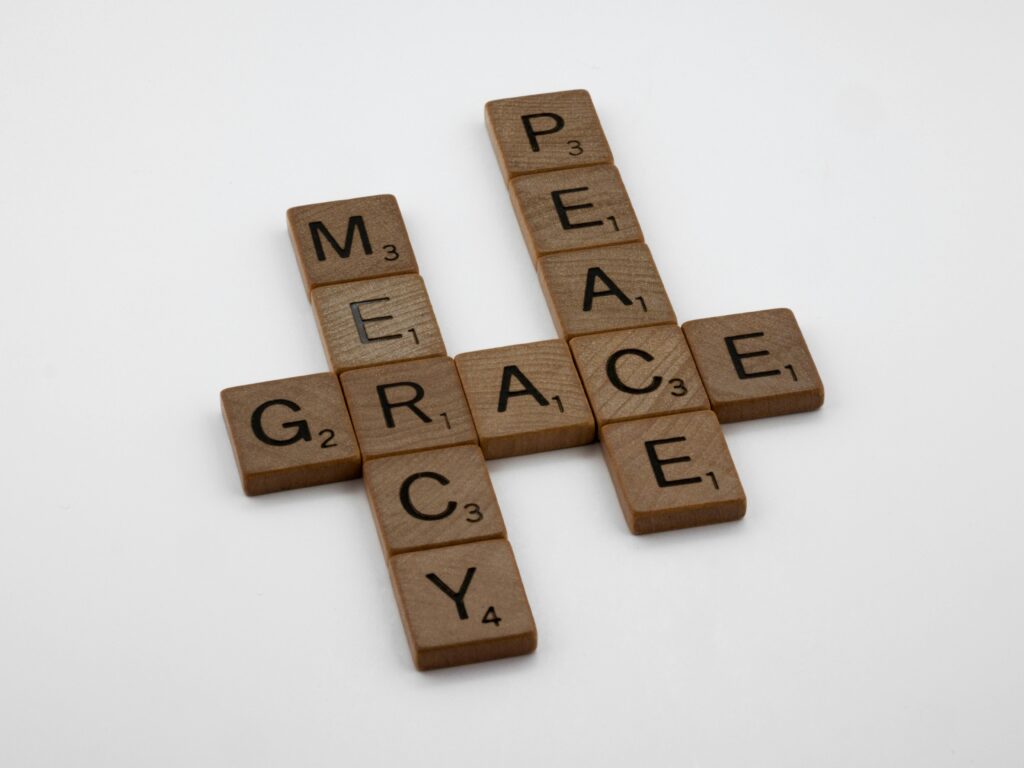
point(673, 472)
point(432, 499)
point(604, 289)
point(526, 398)
point(755, 364)
point(290, 433)
point(371, 322)
point(463, 604)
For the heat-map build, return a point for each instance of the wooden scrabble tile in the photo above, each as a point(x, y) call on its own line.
point(432, 499)
point(604, 289)
point(546, 132)
point(371, 322)
point(755, 364)
point(574, 209)
point(673, 472)
point(638, 373)
point(406, 407)
point(463, 604)
point(347, 240)
point(290, 433)
point(525, 398)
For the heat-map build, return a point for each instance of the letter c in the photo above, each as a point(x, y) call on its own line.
point(408, 506)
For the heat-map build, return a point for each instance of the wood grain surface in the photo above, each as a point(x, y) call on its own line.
point(406, 407)
point(526, 398)
point(604, 289)
point(546, 132)
point(755, 364)
point(290, 433)
point(673, 472)
point(346, 240)
point(432, 499)
point(463, 604)
point(574, 209)
point(370, 322)
point(638, 373)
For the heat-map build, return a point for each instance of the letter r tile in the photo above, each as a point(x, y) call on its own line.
point(673, 472)
point(574, 209)
point(370, 322)
point(407, 407)
point(755, 364)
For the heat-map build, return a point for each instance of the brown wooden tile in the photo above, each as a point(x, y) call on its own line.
point(463, 604)
point(371, 322)
point(546, 132)
point(574, 209)
point(673, 472)
point(290, 433)
point(347, 240)
point(432, 499)
point(604, 289)
point(638, 373)
point(755, 364)
point(525, 398)
point(406, 407)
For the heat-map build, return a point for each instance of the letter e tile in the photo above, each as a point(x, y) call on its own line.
point(673, 472)
point(755, 364)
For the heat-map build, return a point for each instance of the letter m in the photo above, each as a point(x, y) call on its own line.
point(318, 231)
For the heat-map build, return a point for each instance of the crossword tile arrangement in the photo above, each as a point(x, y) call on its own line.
point(420, 426)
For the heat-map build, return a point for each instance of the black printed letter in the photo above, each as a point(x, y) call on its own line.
point(738, 357)
point(532, 133)
point(596, 273)
point(301, 427)
point(387, 406)
point(408, 506)
point(316, 228)
point(658, 463)
point(460, 606)
point(618, 383)
point(528, 388)
point(563, 209)
point(357, 315)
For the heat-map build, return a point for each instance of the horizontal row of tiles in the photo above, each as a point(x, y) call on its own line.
point(519, 399)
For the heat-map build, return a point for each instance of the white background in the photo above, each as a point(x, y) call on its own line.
point(861, 163)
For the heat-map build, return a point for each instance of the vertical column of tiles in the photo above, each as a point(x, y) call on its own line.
point(456, 583)
point(607, 299)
